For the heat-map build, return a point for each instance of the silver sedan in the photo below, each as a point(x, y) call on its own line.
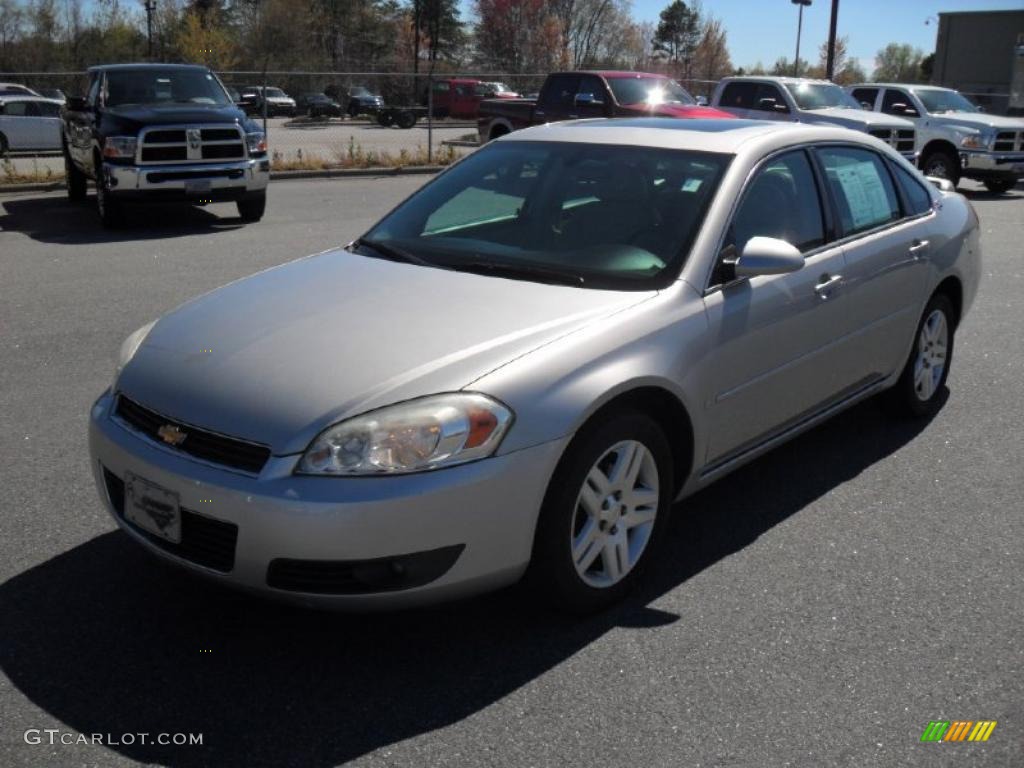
point(521, 367)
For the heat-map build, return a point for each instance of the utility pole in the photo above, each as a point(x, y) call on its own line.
point(150, 6)
point(830, 62)
point(799, 29)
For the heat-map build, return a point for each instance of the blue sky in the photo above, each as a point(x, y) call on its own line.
point(766, 29)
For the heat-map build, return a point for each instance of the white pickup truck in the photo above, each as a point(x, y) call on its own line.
point(803, 100)
point(957, 140)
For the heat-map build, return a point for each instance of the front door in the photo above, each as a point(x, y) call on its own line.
point(775, 340)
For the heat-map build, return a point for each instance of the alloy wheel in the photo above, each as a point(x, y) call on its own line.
point(615, 513)
point(932, 347)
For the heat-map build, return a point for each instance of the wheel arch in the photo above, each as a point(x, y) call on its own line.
point(938, 145)
point(498, 129)
point(953, 289)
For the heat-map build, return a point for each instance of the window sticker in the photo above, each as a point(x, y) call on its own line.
point(864, 193)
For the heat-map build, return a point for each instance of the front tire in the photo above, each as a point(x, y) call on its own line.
point(942, 163)
point(1000, 186)
point(251, 208)
point(74, 179)
point(603, 514)
point(108, 207)
point(917, 393)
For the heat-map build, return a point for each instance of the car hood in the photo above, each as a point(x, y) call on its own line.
point(855, 118)
point(276, 357)
point(174, 114)
point(978, 121)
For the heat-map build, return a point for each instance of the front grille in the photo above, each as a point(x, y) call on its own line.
point(1007, 141)
point(208, 446)
point(900, 139)
point(158, 177)
point(209, 144)
point(204, 540)
point(353, 577)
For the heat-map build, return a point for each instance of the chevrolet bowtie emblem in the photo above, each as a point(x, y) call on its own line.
point(171, 435)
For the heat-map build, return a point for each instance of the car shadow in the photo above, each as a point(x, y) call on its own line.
point(57, 220)
point(108, 640)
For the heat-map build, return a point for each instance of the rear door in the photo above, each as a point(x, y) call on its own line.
point(886, 226)
point(775, 339)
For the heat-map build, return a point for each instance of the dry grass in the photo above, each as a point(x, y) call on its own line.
point(354, 156)
point(11, 175)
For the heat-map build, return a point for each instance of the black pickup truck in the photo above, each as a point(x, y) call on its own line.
point(162, 132)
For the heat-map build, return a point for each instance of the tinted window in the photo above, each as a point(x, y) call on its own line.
point(897, 103)
point(21, 109)
point(559, 92)
point(46, 109)
point(861, 187)
point(782, 202)
point(592, 85)
point(769, 91)
point(917, 196)
point(156, 85)
point(617, 216)
point(739, 95)
point(94, 90)
point(866, 96)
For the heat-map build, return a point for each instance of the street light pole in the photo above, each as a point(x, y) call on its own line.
point(830, 62)
point(799, 29)
point(150, 6)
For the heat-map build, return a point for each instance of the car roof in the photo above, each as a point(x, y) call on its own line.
point(615, 74)
point(145, 65)
point(4, 98)
point(781, 79)
point(902, 85)
point(717, 135)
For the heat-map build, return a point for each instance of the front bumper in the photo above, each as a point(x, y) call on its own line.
point(189, 181)
point(981, 164)
point(474, 522)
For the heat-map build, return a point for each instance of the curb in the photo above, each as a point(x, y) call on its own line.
point(327, 173)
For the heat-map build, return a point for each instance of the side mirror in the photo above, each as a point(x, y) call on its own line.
point(587, 100)
point(76, 104)
point(945, 185)
point(702, 101)
point(767, 256)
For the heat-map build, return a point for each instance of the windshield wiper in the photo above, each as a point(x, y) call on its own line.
point(526, 271)
point(393, 253)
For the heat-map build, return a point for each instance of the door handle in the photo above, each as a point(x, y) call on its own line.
point(919, 248)
point(827, 284)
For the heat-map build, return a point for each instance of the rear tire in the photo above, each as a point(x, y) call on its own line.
point(604, 512)
point(1000, 186)
point(251, 209)
point(385, 119)
point(405, 120)
point(942, 163)
point(74, 179)
point(917, 393)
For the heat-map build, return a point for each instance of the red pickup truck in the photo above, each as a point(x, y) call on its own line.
point(572, 95)
point(461, 97)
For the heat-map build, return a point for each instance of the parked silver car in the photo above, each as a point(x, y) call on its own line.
point(29, 123)
point(523, 365)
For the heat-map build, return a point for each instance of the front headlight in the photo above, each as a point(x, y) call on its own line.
point(974, 141)
point(119, 147)
point(418, 435)
point(130, 347)
point(257, 142)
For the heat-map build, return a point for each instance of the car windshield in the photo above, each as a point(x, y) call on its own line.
point(158, 86)
point(591, 215)
point(821, 96)
point(649, 90)
point(359, 91)
point(938, 100)
point(275, 93)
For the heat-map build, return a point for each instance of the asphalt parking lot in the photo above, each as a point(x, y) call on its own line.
point(817, 608)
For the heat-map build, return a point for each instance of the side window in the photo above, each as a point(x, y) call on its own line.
point(862, 188)
point(593, 86)
point(21, 109)
point(46, 109)
point(781, 201)
point(865, 96)
point(897, 102)
point(769, 99)
point(917, 196)
point(559, 92)
point(94, 91)
point(738, 95)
